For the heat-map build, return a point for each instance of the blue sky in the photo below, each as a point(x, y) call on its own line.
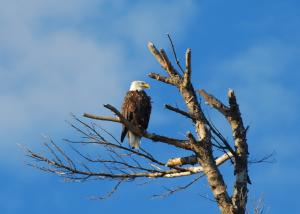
point(62, 57)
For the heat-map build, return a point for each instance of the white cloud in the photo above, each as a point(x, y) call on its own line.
point(147, 21)
point(46, 72)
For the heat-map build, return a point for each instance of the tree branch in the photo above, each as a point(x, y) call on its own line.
point(214, 102)
point(193, 160)
point(188, 72)
point(223, 109)
point(169, 67)
point(179, 111)
point(162, 78)
point(156, 54)
point(239, 197)
point(109, 194)
point(104, 118)
point(183, 144)
point(177, 189)
point(65, 171)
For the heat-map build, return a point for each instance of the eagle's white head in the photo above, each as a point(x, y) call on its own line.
point(138, 85)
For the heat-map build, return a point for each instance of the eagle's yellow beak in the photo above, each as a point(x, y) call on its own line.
point(146, 85)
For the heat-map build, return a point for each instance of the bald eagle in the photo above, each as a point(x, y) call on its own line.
point(136, 109)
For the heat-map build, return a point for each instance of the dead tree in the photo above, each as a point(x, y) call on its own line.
point(122, 163)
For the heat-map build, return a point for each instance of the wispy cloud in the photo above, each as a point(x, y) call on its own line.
point(263, 76)
point(147, 19)
point(51, 66)
point(258, 75)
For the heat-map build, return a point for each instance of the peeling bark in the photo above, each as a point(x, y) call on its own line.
point(203, 146)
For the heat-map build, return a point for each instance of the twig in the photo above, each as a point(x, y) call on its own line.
point(109, 194)
point(177, 189)
point(265, 159)
point(174, 53)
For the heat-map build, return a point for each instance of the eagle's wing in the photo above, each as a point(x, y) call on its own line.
point(127, 112)
point(144, 111)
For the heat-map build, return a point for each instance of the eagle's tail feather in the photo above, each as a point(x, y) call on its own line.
point(134, 140)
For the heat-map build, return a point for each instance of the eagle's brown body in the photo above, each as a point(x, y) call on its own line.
point(136, 109)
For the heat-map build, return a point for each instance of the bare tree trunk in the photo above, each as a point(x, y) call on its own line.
point(203, 146)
